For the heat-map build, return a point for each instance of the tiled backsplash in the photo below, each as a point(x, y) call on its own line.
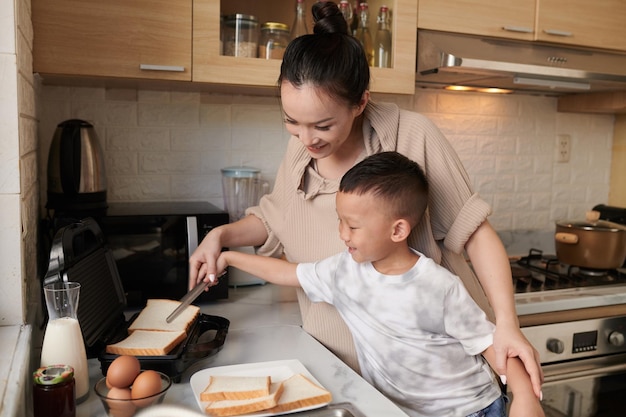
point(168, 145)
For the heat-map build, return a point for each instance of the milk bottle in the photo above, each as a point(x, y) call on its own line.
point(63, 340)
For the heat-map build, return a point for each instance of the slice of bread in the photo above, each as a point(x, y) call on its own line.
point(245, 406)
point(156, 311)
point(147, 343)
point(300, 392)
point(225, 387)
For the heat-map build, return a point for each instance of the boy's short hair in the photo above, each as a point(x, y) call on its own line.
point(393, 177)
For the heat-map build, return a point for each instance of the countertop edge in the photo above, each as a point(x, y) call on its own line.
point(17, 374)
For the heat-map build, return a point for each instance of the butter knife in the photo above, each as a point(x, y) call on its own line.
point(189, 298)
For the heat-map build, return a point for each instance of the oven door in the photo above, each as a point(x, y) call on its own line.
point(593, 387)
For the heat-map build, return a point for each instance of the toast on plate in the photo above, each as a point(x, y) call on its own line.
point(244, 406)
point(247, 394)
point(225, 387)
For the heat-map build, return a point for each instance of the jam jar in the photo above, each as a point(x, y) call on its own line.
point(54, 391)
point(241, 35)
point(274, 39)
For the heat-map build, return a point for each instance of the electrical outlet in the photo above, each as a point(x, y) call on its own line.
point(563, 148)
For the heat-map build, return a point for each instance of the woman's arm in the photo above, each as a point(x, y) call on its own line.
point(491, 264)
point(248, 231)
point(274, 270)
point(525, 403)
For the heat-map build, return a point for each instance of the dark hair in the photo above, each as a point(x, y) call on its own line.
point(330, 58)
point(393, 177)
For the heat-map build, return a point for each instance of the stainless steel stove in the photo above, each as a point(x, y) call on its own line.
point(576, 319)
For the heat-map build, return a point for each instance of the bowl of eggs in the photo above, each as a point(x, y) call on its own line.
point(127, 388)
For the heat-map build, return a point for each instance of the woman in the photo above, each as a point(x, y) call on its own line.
point(324, 84)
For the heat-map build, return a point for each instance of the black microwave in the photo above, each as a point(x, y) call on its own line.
point(151, 243)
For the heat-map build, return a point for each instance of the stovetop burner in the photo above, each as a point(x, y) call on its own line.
point(538, 272)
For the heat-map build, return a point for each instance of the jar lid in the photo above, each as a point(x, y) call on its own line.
point(240, 172)
point(275, 26)
point(248, 18)
point(53, 374)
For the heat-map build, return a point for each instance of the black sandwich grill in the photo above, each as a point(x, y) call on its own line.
point(79, 254)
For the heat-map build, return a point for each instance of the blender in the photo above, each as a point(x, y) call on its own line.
point(242, 187)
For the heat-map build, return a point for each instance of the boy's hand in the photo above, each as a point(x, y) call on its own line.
point(526, 406)
point(221, 263)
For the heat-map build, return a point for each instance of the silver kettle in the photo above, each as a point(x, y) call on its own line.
point(76, 174)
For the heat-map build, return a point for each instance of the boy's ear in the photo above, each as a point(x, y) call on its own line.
point(401, 230)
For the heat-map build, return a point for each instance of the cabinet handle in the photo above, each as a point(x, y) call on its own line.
point(520, 29)
point(148, 67)
point(555, 32)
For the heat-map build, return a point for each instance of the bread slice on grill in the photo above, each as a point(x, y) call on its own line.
point(153, 316)
point(151, 335)
point(147, 343)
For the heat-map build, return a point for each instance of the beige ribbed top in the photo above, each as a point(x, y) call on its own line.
point(301, 220)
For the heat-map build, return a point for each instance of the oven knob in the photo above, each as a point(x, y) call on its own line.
point(555, 346)
point(616, 339)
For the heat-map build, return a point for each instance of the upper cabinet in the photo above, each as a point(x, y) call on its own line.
point(212, 66)
point(147, 39)
point(573, 22)
point(583, 22)
point(179, 40)
point(506, 18)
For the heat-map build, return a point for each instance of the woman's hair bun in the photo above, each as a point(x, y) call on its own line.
point(328, 18)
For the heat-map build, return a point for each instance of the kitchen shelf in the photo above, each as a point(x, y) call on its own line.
point(210, 66)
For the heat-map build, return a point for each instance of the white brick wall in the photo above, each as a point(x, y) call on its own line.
point(18, 167)
point(168, 145)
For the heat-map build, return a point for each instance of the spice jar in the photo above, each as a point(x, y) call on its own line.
point(274, 39)
point(241, 35)
point(54, 391)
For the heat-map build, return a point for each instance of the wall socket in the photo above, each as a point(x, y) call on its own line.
point(563, 148)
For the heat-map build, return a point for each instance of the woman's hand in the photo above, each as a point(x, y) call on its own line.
point(248, 231)
point(202, 261)
point(525, 402)
point(510, 342)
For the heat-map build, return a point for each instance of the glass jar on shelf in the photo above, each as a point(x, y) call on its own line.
point(274, 39)
point(241, 35)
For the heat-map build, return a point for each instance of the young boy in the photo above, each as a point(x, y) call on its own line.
point(418, 333)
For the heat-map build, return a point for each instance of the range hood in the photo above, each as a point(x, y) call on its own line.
point(454, 59)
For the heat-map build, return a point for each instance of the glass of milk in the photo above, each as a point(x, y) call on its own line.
point(63, 340)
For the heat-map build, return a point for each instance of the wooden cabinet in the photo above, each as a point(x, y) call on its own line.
point(209, 65)
point(513, 19)
point(153, 39)
point(572, 22)
point(583, 22)
point(147, 39)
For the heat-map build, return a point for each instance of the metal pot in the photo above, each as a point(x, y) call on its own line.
point(594, 244)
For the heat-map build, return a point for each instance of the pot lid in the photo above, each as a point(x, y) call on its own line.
point(598, 225)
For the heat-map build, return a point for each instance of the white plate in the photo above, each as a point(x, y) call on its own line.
point(277, 370)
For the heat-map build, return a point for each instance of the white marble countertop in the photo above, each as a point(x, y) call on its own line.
point(265, 325)
point(14, 368)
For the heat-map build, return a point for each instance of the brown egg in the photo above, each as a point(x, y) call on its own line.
point(146, 384)
point(119, 402)
point(123, 371)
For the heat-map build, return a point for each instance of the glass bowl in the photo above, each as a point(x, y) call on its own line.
point(117, 402)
